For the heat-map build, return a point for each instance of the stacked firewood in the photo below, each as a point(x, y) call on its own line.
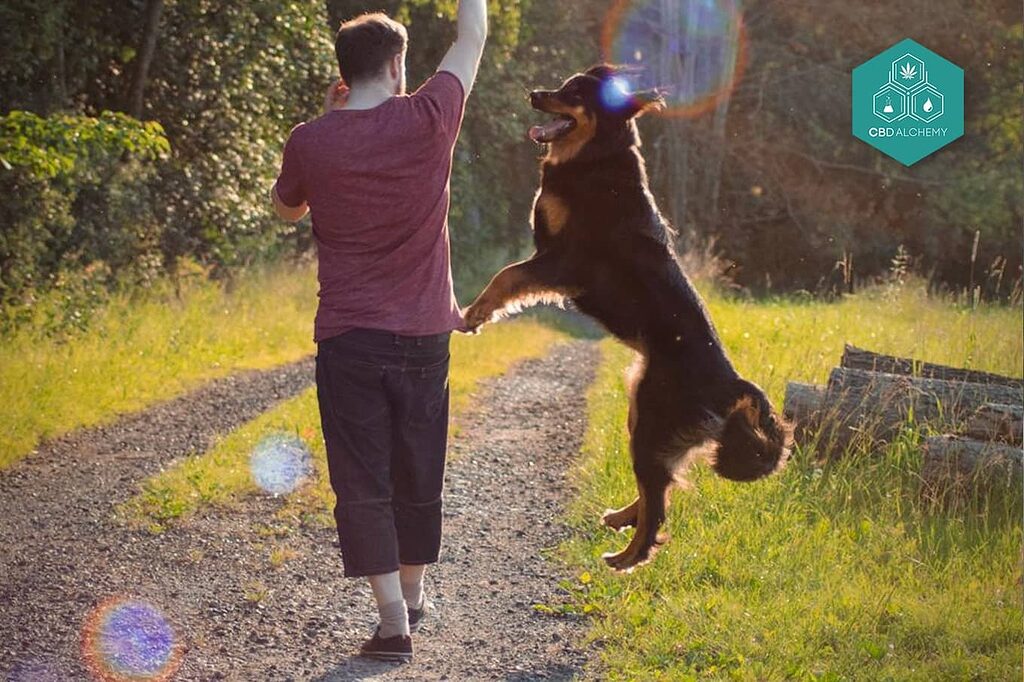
point(872, 398)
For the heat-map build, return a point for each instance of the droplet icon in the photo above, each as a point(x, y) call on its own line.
point(928, 106)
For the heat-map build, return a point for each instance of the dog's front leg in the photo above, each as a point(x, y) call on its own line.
point(525, 283)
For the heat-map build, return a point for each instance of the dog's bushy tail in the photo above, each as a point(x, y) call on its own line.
point(754, 441)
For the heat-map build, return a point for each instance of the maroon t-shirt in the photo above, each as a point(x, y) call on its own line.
point(377, 184)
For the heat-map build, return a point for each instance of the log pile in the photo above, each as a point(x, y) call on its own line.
point(870, 398)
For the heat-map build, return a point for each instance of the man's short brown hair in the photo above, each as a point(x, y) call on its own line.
point(366, 44)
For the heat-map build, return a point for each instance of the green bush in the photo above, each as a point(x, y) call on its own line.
point(74, 189)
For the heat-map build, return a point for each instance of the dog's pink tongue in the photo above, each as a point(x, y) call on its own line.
point(537, 134)
point(549, 131)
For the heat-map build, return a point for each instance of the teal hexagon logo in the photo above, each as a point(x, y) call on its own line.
point(908, 102)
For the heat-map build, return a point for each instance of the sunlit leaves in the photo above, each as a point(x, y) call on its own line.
point(62, 144)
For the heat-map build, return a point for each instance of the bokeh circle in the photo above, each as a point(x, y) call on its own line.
point(693, 51)
point(280, 463)
point(128, 640)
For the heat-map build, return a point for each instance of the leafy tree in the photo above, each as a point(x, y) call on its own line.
point(63, 178)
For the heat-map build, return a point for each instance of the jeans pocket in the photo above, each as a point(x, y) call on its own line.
point(353, 388)
point(427, 388)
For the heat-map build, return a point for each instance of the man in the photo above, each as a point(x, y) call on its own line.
point(374, 172)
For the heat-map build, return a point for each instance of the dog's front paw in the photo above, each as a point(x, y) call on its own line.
point(476, 316)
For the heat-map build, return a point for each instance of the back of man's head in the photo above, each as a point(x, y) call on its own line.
point(366, 44)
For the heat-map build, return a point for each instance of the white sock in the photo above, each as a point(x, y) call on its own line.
point(412, 584)
point(394, 618)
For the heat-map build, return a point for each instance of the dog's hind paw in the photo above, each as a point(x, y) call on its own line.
point(627, 560)
point(619, 519)
point(635, 554)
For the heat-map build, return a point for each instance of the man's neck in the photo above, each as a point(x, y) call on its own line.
point(368, 95)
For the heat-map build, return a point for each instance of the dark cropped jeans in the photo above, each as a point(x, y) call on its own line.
point(384, 410)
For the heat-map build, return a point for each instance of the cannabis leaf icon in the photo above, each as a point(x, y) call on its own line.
point(908, 71)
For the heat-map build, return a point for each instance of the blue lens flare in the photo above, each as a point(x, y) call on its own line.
point(128, 639)
point(692, 51)
point(279, 463)
point(136, 639)
point(616, 93)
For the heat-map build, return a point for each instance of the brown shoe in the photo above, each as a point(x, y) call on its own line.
point(397, 648)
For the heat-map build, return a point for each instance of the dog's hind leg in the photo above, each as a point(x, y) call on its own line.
point(654, 479)
point(652, 504)
point(617, 519)
point(625, 517)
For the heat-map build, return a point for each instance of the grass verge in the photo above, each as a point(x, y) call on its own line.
point(221, 475)
point(836, 572)
point(138, 352)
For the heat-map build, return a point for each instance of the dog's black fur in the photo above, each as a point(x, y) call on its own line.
point(601, 242)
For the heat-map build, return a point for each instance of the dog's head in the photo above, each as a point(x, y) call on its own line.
point(593, 110)
point(754, 440)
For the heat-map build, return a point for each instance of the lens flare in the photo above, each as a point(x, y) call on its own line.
point(616, 93)
point(280, 463)
point(692, 51)
point(127, 640)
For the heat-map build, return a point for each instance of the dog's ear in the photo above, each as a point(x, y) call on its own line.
point(601, 71)
point(646, 101)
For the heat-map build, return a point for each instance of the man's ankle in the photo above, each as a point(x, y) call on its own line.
point(412, 585)
point(394, 619)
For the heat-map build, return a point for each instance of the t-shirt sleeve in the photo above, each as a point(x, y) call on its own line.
point(290, 186)
point(442, 98)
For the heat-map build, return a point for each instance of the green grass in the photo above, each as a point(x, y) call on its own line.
point(137, 352)
point(835, 572)
point(221, 475)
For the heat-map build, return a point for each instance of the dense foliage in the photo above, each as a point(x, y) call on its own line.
point(800, 194)
point(66, 180)
point(773, 175)
point(226, 84)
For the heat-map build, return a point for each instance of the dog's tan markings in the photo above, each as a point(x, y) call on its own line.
point(555, 210)
point(636, 553)
point(568, 146)
point(634, 374)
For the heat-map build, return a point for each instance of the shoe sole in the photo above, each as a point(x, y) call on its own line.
point(390, 657)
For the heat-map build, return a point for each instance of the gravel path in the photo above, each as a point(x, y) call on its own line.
point(255, 598)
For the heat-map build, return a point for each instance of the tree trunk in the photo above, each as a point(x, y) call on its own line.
point(857, 358)
point(62, 73)
point(144, 59)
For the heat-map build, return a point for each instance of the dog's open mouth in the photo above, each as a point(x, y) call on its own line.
point(552, 130)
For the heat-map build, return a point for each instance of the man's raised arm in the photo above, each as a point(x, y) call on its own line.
point(463, 58)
